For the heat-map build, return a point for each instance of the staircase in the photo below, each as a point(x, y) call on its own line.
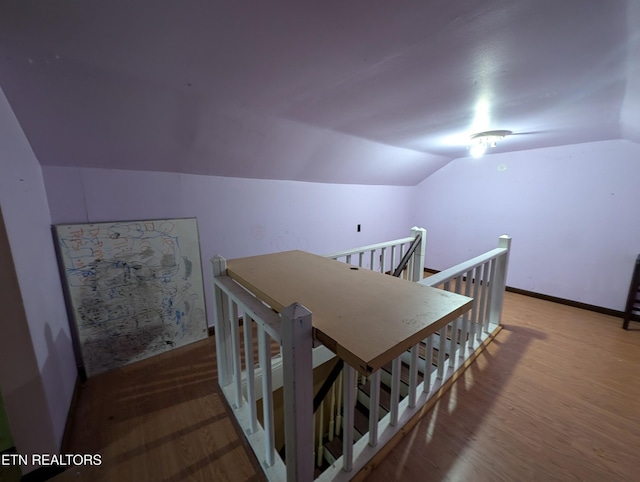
point(332, 441)
point(353, 418)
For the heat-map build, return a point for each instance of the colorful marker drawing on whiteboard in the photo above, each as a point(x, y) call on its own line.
point(136, 289)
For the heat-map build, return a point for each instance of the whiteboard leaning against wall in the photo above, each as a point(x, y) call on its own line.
point(134, 288)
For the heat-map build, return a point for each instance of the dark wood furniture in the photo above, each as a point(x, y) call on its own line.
point(632, 310)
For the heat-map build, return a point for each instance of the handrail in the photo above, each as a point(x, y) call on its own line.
point(292, 330)
point(253, 307)
point(412, 259)
point(326, 386)
point(461, 268)
point(447, 350)
point(371, 247)
point(440, 358)
point(407, 256)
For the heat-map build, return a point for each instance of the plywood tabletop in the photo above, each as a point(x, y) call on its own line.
point(347, 302)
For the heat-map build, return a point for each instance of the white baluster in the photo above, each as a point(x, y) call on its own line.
point(419, 255)
point(332, 411)
point(221, 323)
point(441, 351)
point(483, 300)
point(500, 280)
point(348, 406)
point(428, 363)
point(395, 390)
point(477, 279)
point(339, 404)
point(413, 376)
point(250, 370)
point(320, 450)
point(465, 318)
point(264, 353)
point(235, 343)
point(374, 407)
point(297, 362)
point(490, 294)
point(453, 345)
point(392, 260)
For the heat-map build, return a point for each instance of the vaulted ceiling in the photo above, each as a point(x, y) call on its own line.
point(358, 91)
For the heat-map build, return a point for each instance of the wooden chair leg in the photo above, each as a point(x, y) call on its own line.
point(633, 297)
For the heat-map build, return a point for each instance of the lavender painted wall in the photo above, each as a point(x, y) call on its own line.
point(563, 201)
point(236, 217)
point(39, 373)
point(567, 208)
point(630, 111)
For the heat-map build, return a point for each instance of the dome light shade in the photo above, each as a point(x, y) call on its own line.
point(482, 140)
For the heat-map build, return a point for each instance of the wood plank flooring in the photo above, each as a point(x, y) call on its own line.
point(162, 419)
point(555, 397)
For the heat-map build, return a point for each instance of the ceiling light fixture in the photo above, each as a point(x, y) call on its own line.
point(483, 140)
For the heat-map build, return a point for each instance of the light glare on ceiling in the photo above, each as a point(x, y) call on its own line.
point(478, 150)
point(482, 140)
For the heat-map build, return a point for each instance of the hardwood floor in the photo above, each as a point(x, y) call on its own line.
point(162, 419)
point(555, 397)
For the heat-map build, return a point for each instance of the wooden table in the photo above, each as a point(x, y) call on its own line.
point(366, 318)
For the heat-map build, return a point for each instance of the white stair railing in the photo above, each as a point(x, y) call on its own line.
point(456, 343)
point(490, 272)
point(385, 257)
point(292, 330)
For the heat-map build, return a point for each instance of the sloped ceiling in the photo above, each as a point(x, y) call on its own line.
point(360, 91)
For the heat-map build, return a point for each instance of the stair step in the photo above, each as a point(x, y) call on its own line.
point(361, 419)
point(405, 370)
point(385, 394)
point(334, 447)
